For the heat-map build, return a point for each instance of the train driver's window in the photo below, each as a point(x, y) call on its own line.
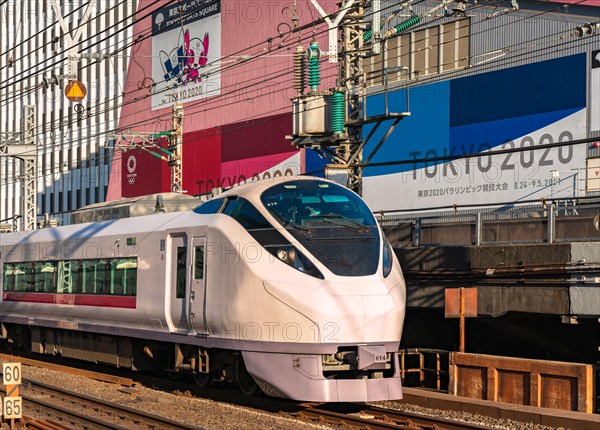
point(248, 216)
point(210, 207)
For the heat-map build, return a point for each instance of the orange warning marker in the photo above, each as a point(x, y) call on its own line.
point(75, 91)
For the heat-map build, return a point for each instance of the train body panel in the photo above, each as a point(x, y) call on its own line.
point(236, 275)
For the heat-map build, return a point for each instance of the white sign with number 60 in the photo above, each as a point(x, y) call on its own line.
point(11, 373)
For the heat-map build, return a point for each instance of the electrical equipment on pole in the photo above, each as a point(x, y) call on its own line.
point(331, 122)
point(72, 41)
point(149, 142)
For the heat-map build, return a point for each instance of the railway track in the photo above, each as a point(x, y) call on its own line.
point(77, 411)
point(375, 418)
point(67, 409)
point(102, 415)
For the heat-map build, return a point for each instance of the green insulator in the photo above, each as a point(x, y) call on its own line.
point(337, 112)
point(407, 24)
point(367, 36)
point(314, 66)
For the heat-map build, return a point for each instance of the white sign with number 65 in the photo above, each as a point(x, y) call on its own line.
point(12, 407)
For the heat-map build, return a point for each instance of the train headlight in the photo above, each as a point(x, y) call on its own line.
point(282, 254)
point(388, 258)
point(294, 258)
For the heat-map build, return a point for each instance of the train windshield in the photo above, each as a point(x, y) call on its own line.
point(333, 223)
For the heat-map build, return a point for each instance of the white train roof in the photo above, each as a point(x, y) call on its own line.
point(119, 227)
point(254, 189)
point(143, 224)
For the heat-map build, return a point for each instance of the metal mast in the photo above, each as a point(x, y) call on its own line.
point(331, 122)
point(176, 149)
point(351, 81)
point(27, 152)
point(149, 142)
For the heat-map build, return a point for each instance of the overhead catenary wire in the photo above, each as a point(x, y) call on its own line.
point(47, 28)
point(81, 42)
point(255, 45)
point(278, 110)
point(305, 26)
point(141, 37)
point(215, 99)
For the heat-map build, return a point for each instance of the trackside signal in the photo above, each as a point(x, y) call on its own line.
point(13, 403)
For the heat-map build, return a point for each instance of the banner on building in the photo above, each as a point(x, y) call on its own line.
point(186, 52)
point(595, 92)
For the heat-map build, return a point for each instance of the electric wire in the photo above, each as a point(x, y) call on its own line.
point(25, 40)
point(62, 60)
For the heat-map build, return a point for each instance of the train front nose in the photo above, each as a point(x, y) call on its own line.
point(354, 354)
point(345, 313)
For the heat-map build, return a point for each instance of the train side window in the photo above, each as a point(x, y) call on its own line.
point(77, 276)
point(210, 207)
point(124, 276)
point(65, 278)
point(26, 281)
point(9, 277)
point(199, 262)
point(89, 277)
point(181, 272)
point(102, 277)
point(130, 277)
point(45, 276)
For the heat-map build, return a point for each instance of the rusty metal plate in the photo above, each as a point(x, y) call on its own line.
point(537, 383)
point(452, 303)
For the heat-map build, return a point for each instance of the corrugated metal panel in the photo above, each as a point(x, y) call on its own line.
point(506, 39)
point(524, 38)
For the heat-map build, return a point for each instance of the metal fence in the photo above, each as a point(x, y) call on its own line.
point(552, 221)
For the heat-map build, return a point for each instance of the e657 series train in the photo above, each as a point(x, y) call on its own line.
point(285, 285)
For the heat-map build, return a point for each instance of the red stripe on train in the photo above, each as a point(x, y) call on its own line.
point(128, 302)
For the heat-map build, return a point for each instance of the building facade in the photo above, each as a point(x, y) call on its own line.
point(73, 157)
point(492, 77)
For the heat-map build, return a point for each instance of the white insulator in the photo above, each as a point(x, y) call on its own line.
point(299, 69)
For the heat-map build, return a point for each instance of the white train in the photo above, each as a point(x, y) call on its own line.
point(286, 285)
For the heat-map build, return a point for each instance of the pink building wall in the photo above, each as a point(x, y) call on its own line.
point(250, 117)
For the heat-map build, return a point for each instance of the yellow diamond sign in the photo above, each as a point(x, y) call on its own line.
point(75, 91)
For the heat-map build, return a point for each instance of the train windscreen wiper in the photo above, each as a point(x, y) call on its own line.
point(330, 216)
point(297, 226)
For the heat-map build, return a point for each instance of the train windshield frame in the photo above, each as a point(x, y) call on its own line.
point(330, 221)
point(311, 203)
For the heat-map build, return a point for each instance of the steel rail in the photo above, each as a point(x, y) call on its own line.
point(97, 413)
point(376, 418)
